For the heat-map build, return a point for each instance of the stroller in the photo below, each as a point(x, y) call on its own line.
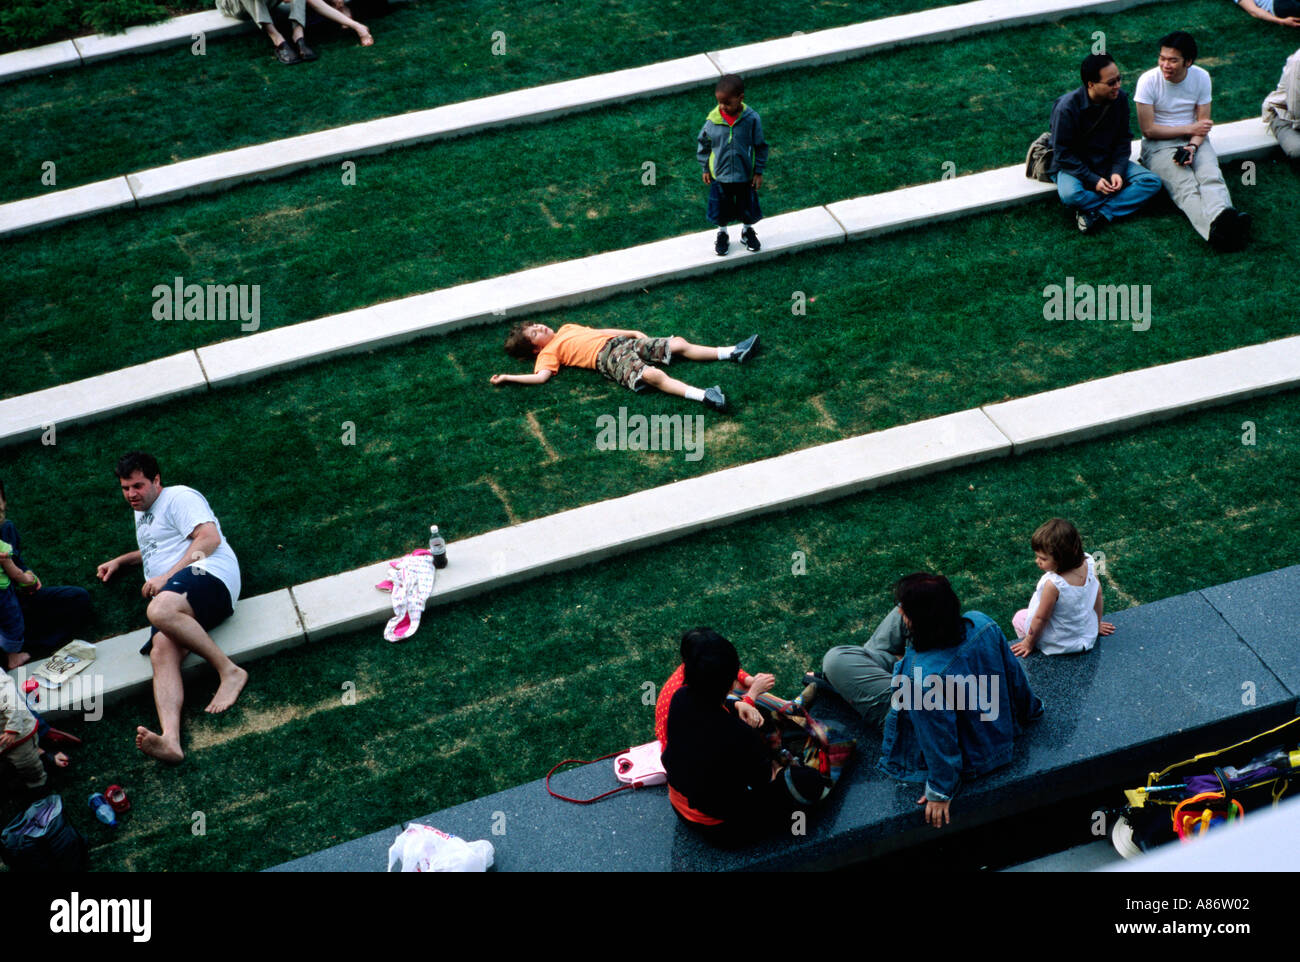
point(1241, 778)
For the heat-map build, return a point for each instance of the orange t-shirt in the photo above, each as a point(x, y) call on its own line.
point(575, 346)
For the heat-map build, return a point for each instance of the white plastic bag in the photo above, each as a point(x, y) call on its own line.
point(424, 849)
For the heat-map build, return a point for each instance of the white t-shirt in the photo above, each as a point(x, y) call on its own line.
point(163, 534)
point(1073, 625)
point(1175, 104)
point(1265, 5)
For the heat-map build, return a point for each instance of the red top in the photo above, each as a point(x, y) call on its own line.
point(675, 681)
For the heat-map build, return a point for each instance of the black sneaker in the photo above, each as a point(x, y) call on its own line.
point(750, 238)
point(286, 54)
point(714, 398)
point(1243, 227)
point(721, 244)
point(1229, 230)
point(1088, 220)
point(744, 349)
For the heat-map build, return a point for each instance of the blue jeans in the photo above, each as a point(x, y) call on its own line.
point(1140, 185)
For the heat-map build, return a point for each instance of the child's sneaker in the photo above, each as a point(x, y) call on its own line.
point(742, 351)
point(750, 238)
point(722, 244)
point(714, 398)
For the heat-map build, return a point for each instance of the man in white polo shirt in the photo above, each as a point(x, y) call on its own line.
point(191, 583)
point(1173, 108)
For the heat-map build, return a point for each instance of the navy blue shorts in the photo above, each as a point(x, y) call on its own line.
point(206, 594)
point(728, 202)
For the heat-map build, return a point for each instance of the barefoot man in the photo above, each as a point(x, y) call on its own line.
point(191, 583)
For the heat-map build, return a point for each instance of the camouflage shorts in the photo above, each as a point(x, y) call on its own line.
point(624, 358)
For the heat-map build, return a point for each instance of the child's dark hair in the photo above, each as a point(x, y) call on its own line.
point(134, 461)
point(1181, 41)
point(711, 663)
point(933, 609)
point(1060, 540)
point(517, 343)
point(730, 83)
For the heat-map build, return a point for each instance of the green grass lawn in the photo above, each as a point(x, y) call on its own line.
point(168, 105)
point(492, 691)
point(429, 217)
point(899, 329)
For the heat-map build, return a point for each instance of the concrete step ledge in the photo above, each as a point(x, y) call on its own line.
point(277, 158)
point(577, 281)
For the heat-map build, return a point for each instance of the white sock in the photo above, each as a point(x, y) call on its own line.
point(694, 394)
point(725, 352)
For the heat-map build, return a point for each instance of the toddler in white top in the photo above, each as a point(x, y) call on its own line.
point(1064, 615)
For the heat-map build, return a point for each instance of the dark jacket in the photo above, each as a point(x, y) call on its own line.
point(732, 153)
point(937, 731)
point(1086, 144)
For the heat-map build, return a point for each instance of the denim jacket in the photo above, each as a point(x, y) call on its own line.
point(955, 711)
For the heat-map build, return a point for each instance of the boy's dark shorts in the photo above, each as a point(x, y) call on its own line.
point(206, 594)
point(728, 202)
point(624, 358)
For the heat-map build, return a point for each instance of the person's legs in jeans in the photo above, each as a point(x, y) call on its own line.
point(1075, 195)
point(1140, 185)
point(54, 616)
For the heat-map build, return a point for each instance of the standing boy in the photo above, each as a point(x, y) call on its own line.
point(623, 356)
point(733, 153)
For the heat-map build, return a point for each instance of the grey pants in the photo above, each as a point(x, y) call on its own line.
point(1198, 190)
point(258, 10)
point(1287, 136)
point(862, 673)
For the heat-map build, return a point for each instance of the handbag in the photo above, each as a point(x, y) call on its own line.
point(1039, 157)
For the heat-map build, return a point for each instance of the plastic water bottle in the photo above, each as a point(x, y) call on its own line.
point(103, 811)
point(437, 547)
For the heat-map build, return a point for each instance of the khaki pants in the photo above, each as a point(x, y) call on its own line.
point(862, 673)
point(260, 12)
point(1198, 190)
point(26, 758)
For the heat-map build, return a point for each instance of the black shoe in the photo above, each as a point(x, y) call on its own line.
point(714, 398)
point(1229, 230)
point(721, 244)
point(744, 349)
point(1088, 220)
point(286, 54)
point(750, 238)
point(304, 51)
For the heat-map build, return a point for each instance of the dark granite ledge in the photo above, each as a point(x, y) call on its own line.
point(1181, 675)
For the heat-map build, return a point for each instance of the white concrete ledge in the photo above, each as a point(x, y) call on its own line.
point(939, 23)
point(274, 159)
point(169, 33)
point(591, 278)
point(29, 415)
point(260, 626)
point(595, 531)
point(536, 289)
point(25, 63)
point(142, 39)
point(343, 602)
point(1128, 400)
point(281, 157)
point(60, 206)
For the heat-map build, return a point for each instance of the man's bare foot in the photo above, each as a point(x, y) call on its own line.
point(229, 689)
point(18, 658)
point(155, 746)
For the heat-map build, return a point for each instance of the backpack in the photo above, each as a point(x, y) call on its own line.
point(42, 840)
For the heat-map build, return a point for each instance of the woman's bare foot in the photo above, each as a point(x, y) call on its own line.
point(18, 658)
point(231, 685)
point(364, 35)
point(155, 746)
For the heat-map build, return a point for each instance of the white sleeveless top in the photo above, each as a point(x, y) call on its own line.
point(1073, 625)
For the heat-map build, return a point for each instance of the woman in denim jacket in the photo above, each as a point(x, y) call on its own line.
point(959, 695)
